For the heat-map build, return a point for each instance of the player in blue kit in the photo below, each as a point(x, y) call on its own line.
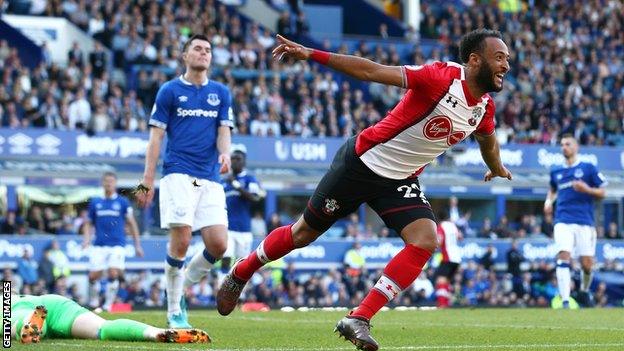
point(109, 215)
point(574, 188)
point(195, 113)
point(241, 190)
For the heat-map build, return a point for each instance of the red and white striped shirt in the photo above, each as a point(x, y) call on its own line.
point(435, 113)
point(448, 235)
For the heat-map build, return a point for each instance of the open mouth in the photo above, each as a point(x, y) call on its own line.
point(499, 78)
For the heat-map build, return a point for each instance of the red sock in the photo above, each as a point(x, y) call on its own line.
point(443, 295)
point(399, 273)
point(277, 244)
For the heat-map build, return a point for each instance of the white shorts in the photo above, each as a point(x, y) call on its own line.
point(102, 258)
point(184, 203)
point(577, 239)
point(239, 244)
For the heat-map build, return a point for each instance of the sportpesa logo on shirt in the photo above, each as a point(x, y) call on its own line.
point(196, 113)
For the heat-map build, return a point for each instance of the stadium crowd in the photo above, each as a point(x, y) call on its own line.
point(68, 220)
point(580, 90)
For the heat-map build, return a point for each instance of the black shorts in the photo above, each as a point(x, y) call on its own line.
point(446, 269)
point(349, 183)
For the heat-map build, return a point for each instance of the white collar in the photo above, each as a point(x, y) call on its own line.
point(574, 164)
point(186, 82)
point(115, 195)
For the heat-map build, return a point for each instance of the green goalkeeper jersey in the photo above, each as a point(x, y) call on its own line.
point(61, 313)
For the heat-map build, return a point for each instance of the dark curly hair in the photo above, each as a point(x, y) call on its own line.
point(475, 42)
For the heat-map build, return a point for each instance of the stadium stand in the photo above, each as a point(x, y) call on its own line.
point(567, 76)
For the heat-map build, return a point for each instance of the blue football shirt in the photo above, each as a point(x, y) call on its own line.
point(573, 206)
point(239, 209)
point(191, 115)
point(108, 215)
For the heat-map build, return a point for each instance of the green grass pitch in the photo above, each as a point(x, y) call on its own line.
point(451, 329)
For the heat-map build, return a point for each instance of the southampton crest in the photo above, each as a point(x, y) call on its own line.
point(331, 205)
point(477, 112)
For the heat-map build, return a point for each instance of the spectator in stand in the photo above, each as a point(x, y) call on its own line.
point(448, 238)
point(302, 26)
point(46, 270)
point(98, 60)
point(79, 111)
point(354, 261)
point(27, 268)
point(60, 262)
point(487, 260)
point(274, 222)
point(10, 224)
point(258, 225)
point(514, 259)
point(156, 296)
point(547, 225)
point(612, 232)
point(486, 230)
point(502, 229)
point(454, 214)
point(284, 26)
point(75, 55)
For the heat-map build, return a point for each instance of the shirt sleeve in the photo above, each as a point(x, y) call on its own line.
point(488, 122)
point(92, 211)
point(253, 186)
point(128, 208)
point(226, 114)
point(597, 179)
point(430, 78)
point(162, 108)
point(553, 183)
point(418, 77)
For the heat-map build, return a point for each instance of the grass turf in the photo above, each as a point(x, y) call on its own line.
point(451, 329)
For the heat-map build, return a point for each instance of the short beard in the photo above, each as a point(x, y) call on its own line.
point(485, 78)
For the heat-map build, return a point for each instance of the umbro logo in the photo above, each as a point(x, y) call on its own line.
point(195, 184)
point(452, 101)
point(183, 98)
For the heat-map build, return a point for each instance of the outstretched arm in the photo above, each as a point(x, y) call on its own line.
point(490, 151)
point(357, 67)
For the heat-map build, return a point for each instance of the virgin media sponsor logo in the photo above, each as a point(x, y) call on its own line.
point(438, 127)
point(441, 127)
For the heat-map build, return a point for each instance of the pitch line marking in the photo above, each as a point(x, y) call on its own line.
point(421, 347)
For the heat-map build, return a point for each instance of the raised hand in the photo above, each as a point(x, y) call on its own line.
point(503, 173)
point(287, 48)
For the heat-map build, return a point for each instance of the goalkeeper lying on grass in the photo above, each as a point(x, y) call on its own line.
point(55, 316)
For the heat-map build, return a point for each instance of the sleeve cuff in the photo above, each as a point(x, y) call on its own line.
point(227, 123)
point(157, 123)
